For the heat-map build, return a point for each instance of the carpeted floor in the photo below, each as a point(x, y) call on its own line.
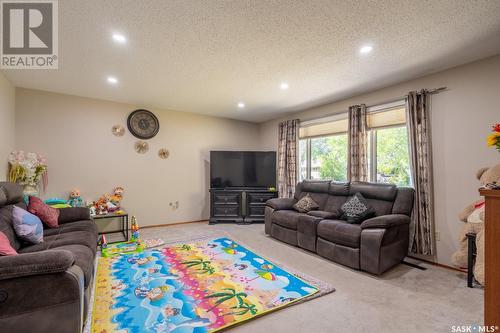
point(404, 299)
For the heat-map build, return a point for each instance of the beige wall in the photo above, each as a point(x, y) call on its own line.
point(461, 119)
point(7, 123)
point(75, 135)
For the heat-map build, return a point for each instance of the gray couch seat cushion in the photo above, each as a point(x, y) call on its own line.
point(286, 218)
point(324, 215)
point(85, 225)
point(340, 232)
point(83, 256)
point(86, 238)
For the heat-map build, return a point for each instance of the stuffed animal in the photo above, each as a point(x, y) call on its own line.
point(91, 206)
point(117, 196)
point(102, 206)
point(473, 216)
point(74, 198)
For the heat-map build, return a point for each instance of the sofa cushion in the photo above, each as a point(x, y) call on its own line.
point(305, 204)
point(340, 232)
point(324, 215)
point(7, 228)
point(85, 238)
point(10, 193)
point(85, 225)
point(5, 248)
point(84, 258)
point(380, 207)
point(377, 191)
point(28, 227)
point(286, 218)
point(47, 214)
point(356, 209)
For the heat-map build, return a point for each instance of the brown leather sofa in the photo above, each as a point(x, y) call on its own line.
point(46, 287)
point(374, 246)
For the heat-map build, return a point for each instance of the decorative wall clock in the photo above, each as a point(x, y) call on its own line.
point(118, 130)
point(143, 124)
point(163, 153)
point(141, 147)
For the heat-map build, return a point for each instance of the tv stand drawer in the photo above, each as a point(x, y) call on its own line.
point(226, 211)
point(259, 198)
point(226, 198)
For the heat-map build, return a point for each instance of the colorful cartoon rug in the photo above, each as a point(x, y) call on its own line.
point(200, 286)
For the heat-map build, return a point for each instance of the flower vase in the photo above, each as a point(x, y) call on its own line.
point(30, 190)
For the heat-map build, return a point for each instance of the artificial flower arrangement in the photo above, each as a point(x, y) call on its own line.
point(28, 169)
point(494, 138)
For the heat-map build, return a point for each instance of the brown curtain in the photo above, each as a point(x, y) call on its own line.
point(358, 144)
point(417, 118)
point(287, 157)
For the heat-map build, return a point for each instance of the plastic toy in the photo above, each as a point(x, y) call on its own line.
point(74, 198)
point(135, 229)
point(122, 247)
point(104, 243)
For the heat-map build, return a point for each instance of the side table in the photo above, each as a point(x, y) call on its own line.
point(123, 223)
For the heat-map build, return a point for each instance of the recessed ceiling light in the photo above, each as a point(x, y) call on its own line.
point(112, 80)
point(284, 86)
point(241, 105)
point(366, 49)
point(119, 38)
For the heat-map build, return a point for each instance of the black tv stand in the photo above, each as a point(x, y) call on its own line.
point(239, 205)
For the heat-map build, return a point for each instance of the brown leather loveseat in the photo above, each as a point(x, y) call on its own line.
point(374, 246)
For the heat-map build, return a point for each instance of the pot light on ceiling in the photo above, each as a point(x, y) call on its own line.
point(284, 85)
point(366, 49)
point(119, 38)
point(241, 105)
point(112, 80)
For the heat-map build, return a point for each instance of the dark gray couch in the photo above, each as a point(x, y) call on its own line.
point(46, 287)
point(374, 246)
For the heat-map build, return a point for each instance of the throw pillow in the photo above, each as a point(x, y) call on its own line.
point(305, 204)
point(28, 227)
point(49, 215)
point(356, 209)
point(5, 248)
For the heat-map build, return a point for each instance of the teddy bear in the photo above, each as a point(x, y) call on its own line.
point(473, 216)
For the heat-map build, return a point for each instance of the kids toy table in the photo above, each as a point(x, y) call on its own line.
point(123, 224)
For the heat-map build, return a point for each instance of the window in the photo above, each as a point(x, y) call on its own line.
point(391, 164)
point(323, 146)
point(389, 159)
point(323, 149)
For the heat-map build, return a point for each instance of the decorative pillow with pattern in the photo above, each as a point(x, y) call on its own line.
point(5, 248)
point(305, 204)
point(27, 226)
point(48, 215)
point(356, 209)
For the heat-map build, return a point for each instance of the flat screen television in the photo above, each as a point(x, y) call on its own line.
point(242, 169)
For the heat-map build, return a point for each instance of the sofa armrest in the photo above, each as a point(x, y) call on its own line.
point(281, 203)
point(73, 214)
point(35, 263)
point(386, 221)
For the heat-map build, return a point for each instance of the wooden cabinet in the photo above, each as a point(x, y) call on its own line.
point(238, 205)
point(492, 258)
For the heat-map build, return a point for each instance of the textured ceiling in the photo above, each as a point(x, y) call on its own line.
point(206, 56)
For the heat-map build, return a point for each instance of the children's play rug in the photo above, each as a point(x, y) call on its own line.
point(203, 285)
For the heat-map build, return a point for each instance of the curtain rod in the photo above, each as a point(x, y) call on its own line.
point(430, 91)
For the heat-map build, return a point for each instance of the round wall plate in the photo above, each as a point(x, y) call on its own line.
point(141, 147)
